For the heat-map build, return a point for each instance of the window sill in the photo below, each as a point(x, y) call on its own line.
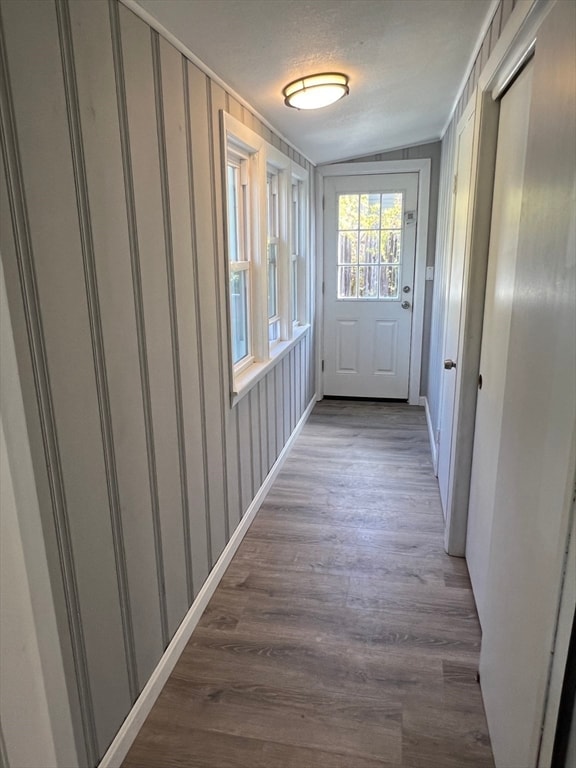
point(244, 381)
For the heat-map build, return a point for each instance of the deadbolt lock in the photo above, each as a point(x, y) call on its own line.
point(406, 289)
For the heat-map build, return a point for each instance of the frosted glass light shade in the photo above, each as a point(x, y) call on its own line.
point(316, 91)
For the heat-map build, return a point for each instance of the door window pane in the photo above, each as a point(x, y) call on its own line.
point(389, 282)
point(370, 211)
point(370, 245)
point(368, 282)
point(390, 249)
point(347, 247)
point(347, 282)
point(391, 211)
point(348, 211)
point(369, 248)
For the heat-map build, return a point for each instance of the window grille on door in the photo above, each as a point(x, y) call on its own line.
point(369, 245)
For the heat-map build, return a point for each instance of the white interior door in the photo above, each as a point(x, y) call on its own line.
point(369, 254)
point(450, 376)
point(506, 208)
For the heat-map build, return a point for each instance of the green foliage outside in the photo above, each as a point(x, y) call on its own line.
point(369, 245)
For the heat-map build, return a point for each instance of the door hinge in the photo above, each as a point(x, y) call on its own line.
point(455, 184)
point(323, 202)
point(323, 287)
point(322, 365)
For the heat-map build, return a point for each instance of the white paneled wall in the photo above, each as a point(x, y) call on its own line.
point(112, 242)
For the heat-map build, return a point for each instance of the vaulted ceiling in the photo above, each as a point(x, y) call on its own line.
point(406, 60)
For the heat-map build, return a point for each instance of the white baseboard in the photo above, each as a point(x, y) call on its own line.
point(433, 447)
point(118, 750)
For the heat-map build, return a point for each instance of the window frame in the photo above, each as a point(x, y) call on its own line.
point(261, 161)
point(301, 291)
point(238, 159)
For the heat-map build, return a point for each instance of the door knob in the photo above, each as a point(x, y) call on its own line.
point(405, 305)
point(449, 364)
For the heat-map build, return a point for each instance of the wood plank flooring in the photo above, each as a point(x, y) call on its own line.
point(342, 635)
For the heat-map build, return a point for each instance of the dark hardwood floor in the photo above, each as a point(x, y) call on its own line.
point(342, 635)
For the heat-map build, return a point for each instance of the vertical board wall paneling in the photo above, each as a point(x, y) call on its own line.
point(186, 352)
point(151, 469)
point(233, 470)
point(293, 392)
point(95, 321)
point(278, 405)
point(139, 312)
point(36, 67)
point(196, 431)
point(286, 403)
point(105, 190)
point(217, 101)
point(166, 74)
point(26, 326)
point(235, 108)
point(271, 416)
point(254, 437)
point(263, 405)
point(201, 138)
point(302, 377)
point(244, 450)
point(140, 78)
point(239, 463)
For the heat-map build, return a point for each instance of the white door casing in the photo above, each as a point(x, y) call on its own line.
point(368, 309)
point(509, 178)
point(451, 376)
point(422, 167)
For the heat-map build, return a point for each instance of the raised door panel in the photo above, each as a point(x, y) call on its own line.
point(385, 356)
point(347, 346)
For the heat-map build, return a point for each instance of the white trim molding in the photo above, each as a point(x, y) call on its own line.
point(433, 446)
point(422, 167)
point(144, 703)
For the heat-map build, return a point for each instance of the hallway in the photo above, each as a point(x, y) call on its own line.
point(342, 635)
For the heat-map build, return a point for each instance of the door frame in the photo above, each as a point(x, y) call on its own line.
point(422, 167)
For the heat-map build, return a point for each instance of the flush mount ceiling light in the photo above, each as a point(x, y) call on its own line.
point(316, 91)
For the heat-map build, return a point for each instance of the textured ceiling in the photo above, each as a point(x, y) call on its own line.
point(405, 58)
